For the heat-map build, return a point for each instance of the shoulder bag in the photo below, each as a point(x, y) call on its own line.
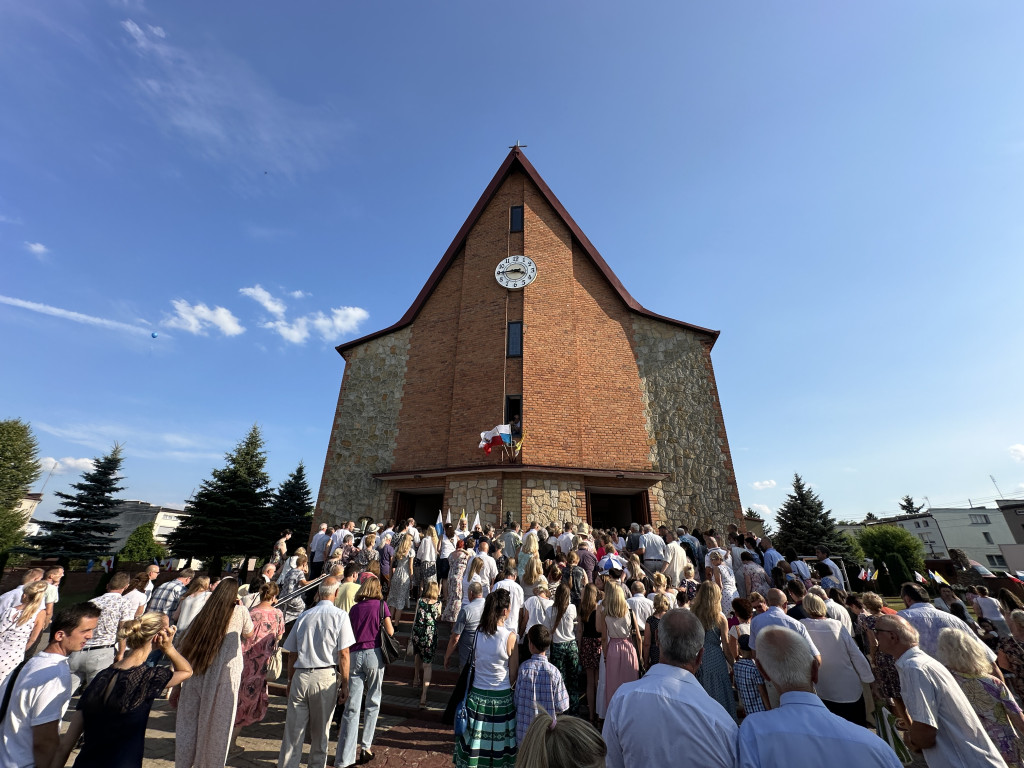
point(11, 680)
point(456, 714)
point(388, 645)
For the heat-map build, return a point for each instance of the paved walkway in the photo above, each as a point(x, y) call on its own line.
point(398, 743)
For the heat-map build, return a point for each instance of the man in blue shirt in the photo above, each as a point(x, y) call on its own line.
point(767, 738)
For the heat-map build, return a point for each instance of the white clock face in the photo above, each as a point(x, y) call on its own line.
point(515, 272)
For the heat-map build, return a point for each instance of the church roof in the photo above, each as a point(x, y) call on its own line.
point(516, 161)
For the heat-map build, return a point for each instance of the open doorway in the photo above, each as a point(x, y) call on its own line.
point(420, 504)
point(617, 508)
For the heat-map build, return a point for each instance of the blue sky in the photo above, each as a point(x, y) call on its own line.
point(837, 187)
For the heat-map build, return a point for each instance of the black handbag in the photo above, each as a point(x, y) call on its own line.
point(388, 645)
point(459, 695)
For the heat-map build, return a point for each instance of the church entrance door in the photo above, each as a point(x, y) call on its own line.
point(422, 505)
point(617, 508)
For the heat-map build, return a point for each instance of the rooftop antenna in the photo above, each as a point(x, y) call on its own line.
point(929, 502)
point(997, 487)
point(48, 476)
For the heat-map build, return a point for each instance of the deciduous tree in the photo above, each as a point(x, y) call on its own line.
point(141, 547)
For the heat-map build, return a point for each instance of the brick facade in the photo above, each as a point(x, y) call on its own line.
point(615, 399)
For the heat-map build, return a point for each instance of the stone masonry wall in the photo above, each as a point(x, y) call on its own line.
point(365, 430)
point(553, 500)
point(476, 494)
point(686, 429)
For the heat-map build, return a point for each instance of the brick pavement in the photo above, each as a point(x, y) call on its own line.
point(398, 741)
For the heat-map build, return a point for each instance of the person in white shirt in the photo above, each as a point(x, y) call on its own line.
point(565, 540)
point(987, 607)
point(535, 608)
point(642, 607)
point(410, 528)
point(102, 649)
point(843, 666)
point(318, 667)
point(152, 572)
point(490, 571)
point(516, 596)
point(833, 609)
point(943, 723)
point(669, 700)
point(675, 560)
point(652, 550)
point(947, 599)
point(41, 690)
point(316, 547)
point(928, 622)
point(802, 722)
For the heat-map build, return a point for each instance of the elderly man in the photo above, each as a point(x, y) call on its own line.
point(166, 597)
point(318, 667)
point(652, 551)
point(466, 624)
point(943, 723)
point(771, 555)
point(928, 622)
point(490, 571)
point(317, 545)
point(667, 715)
point(776, 616)
point(767, 739)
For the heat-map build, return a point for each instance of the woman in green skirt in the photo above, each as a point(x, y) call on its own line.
point(490, 737)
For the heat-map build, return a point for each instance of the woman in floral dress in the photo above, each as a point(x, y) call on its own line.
point(401, 578)
point(257, 650)
point(989, 697)
point(1011, 652)
point(424, 637)
point(457, 569)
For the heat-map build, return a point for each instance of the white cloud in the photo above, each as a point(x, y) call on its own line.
point(763, 484)
point(139, 442)
point(196, 318)
point(36, 249)
point(227, 111)
point(764, 510)
point(67, 314)
point(1017, 452)
point(65, 466)
point(342, 321)
point(298, 294)
point(273, 305)
point(9, 219)
point(158, 31)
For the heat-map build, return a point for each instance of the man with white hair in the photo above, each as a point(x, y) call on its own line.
point(943, 724)
point(316, 547)
point(318, 667)
point(667, 714)
point(767, 739)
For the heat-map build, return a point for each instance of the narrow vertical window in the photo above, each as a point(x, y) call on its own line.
point(515, 339)
point(515, 218)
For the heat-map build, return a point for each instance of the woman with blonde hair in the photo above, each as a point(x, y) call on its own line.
point(114, 707)
point(475, 573)
point(714, 669)
point(366, 673)
point(843, 667)
point(620, 640)
point(689, 584)
point(567, 742)
point(560, 618)
point(533, 572)
point(590, 645)
point(257, 651)
point(992, 701)
point(295, 579)
point(191, 603)
point(721, 574)
point(528, 551)
point(209, 698)
point(21, 626)
point(401, 577)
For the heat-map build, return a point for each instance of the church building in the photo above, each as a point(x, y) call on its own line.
point(616, 410)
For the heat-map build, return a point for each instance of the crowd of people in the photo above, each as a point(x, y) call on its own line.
point(576, 647)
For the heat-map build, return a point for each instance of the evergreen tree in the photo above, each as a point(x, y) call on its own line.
point(141, 547)
point(229, 513)
point(84, 527)
point(292, 507)
point(19, 469)
point(870, 517)
point(909, 507)
point(804, 524)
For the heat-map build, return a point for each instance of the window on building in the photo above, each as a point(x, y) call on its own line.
point(925, 523)
point(515, 218)
point(979, 520)
point(996, 561)
point(917, 523)
point(513, 408)
point(988, 537)
point(515, 339)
